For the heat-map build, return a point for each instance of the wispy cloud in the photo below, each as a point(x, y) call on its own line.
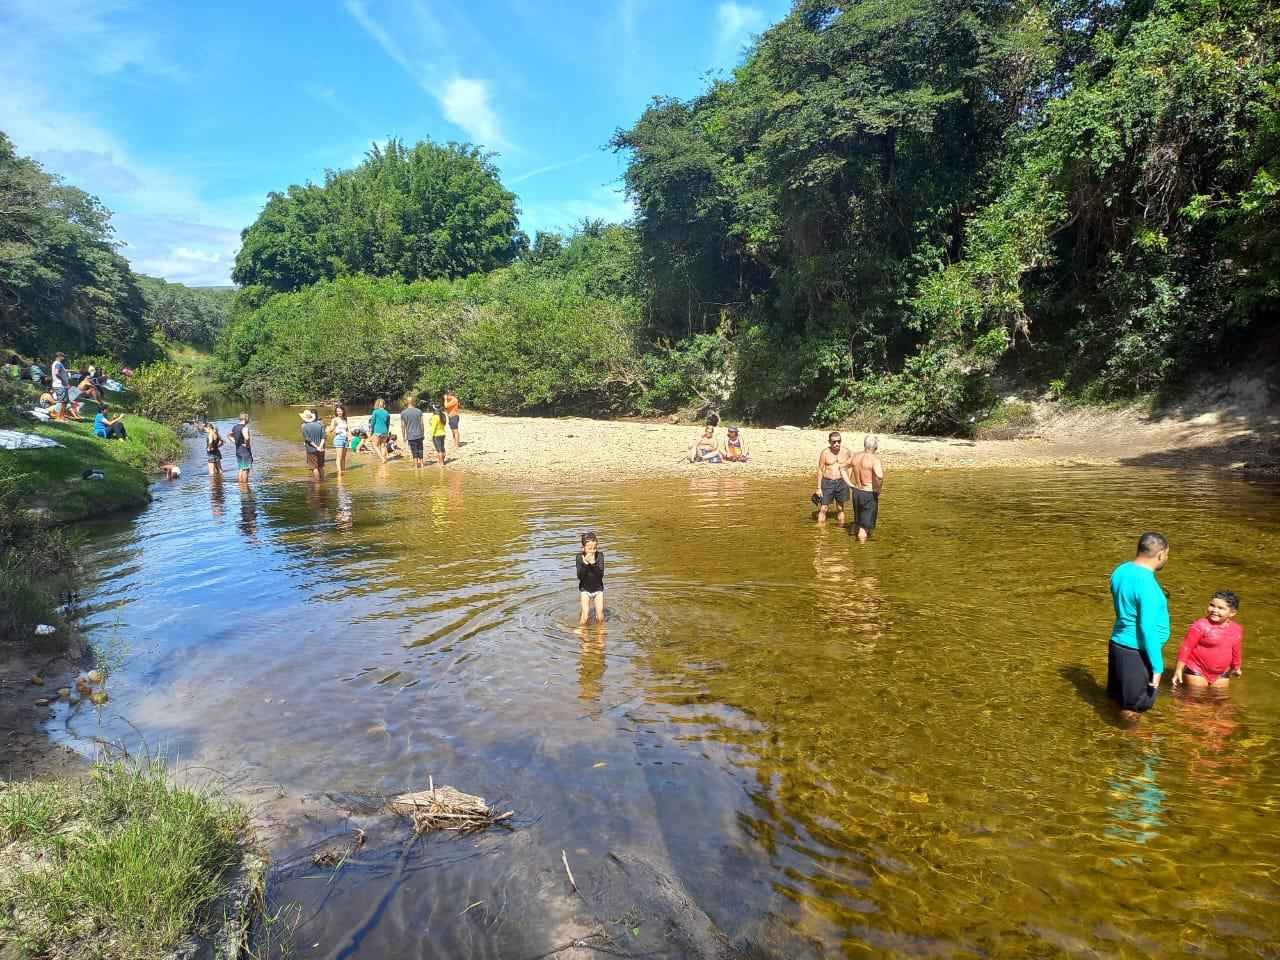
point(466, 102)
point(551, 168)
point(736, 24)
point(603, 203)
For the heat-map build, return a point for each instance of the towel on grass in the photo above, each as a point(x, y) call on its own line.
point(17, 440)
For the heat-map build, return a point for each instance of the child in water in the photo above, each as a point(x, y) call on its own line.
point(590, 566)
point(1210, 652)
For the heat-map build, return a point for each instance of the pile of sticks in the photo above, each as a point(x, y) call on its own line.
point(444, 808)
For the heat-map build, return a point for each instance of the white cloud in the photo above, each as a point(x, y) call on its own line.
point(179, 251)
point(736, 24)
point(603, 203)
point(551, 168)
point(466, 103)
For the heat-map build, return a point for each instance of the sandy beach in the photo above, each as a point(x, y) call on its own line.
point(604, 450)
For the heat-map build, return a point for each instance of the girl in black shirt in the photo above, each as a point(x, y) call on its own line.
point(590, 566)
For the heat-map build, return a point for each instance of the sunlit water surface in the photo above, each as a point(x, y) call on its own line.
point(831, 749)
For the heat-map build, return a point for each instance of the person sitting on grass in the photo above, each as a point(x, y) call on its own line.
point(107, 427)
point(1210, 652)
point(735, 447)
point(705, 450)
point(90, 386)
point(73, 409)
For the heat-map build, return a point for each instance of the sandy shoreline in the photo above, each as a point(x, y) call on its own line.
point(609, 450)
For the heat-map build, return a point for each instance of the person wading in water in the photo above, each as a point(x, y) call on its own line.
point(832, 466)
point(244, 448)
point(865, 475)
point(1135, 657)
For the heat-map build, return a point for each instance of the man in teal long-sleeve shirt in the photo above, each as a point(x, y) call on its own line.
point(1135, 656)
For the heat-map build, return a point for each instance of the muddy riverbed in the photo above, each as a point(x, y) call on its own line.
point(781, 744)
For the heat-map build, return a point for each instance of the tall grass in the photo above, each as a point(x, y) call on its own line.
point(123, 867)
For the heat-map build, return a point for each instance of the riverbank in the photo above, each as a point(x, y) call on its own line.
point(1223, 436)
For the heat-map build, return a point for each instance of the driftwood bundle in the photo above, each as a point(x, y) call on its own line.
point(444, 808)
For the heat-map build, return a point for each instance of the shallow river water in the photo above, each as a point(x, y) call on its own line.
point(814, 747)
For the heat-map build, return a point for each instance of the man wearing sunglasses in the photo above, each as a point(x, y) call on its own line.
point(833, 462)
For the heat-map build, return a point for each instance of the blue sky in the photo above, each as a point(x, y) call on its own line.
point(182, 116)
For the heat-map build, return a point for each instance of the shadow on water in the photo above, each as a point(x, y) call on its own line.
point(1094, 693)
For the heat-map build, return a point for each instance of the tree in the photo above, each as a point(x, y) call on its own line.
point(424, 212)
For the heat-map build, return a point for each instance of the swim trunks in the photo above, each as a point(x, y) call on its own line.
point(1129, 678)
point(453, 421)
point(437, 442)
point(836, 490)
point(315, 459)
point(415, 447)
point(866, 505)
point(244, 460)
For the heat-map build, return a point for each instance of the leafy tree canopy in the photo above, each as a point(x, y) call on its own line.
point(419, 213)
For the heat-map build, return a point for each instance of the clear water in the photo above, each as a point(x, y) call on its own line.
point(830, 749)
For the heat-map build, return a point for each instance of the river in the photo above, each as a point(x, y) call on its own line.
point(817, 747)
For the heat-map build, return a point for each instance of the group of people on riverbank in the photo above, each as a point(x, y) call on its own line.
point(1211, 650)
point(377, 439)
point(66, 391)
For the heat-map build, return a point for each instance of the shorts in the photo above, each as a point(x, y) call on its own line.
point(866, 505)
point(836, 490)
point(244, 461)
point(453, 422)
point(340, 441)
point(61, 394)
point(415, 448)
point(438, 443)
point(591, 594)
point(215, 458)
point(1129, 678)
point(315, 459)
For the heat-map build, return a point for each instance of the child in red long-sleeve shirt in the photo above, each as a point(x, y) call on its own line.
point(1210, 651)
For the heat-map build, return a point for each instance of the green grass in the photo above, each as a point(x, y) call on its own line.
point(1009, 420)
point(51, 478)
point(122, 867)
point(200, 363)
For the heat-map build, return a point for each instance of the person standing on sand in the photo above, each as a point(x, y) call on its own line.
point(411, 429)
point(380, 427)
point(451, 408)
point(438, 432)
point(590, 567)
point(864, 475)
point(832, 465)
point(313, 443)
point(1135, 657)
point(244, 449)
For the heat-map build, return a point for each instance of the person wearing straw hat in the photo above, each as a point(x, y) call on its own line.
point(313, 442)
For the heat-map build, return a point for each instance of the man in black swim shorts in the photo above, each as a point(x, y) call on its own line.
point(832, 465)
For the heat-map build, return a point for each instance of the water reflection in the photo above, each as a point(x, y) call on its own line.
point(894, 749)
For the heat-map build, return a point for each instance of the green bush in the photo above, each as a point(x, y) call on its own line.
point(1010, 419)
point(35, 563)
point(693, 371)
point(166, 393)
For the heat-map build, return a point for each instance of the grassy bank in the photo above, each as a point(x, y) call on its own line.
point(120, 866)
point(51, 481)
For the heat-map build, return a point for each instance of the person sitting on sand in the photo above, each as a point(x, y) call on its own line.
point(864, 475)
point(1210, 652)
point(735, 447)
point(109, 428)
point(590, 567)
point(1135, 657)
point(705, 450)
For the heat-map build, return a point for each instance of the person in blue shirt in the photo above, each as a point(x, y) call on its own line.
point(380, 427)
point(1135, 656)
point(108, 428)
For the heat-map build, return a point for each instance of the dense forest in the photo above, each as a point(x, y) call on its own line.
point(889, 214)
point(888, 208)
point(65, 286)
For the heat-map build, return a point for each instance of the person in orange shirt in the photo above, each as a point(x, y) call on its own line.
point(451, 408)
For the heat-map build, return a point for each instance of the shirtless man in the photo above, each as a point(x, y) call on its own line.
point(865, 474)
point(832, 467)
